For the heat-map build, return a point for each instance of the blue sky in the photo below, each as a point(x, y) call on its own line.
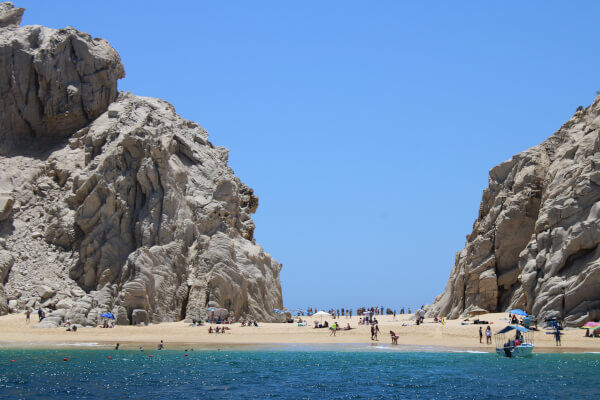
point(367, 129)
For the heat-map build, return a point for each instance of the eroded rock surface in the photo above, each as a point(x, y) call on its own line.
point(132, 212)
point(535, 243)
point(52, 82)
point(10, 16)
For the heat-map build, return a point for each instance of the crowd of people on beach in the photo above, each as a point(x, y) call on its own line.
point(368, 316)
point(348, 312)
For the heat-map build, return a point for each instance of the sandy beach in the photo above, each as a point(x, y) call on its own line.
point(14, 332)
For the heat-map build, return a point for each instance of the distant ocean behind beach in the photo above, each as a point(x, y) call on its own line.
point(294, 372)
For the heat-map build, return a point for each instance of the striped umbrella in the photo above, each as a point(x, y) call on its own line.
point(591, 325)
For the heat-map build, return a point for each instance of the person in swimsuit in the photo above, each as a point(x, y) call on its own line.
point(377, 331)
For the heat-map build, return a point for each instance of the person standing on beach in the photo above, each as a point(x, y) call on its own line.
point(28, 316)
point(372, 332)
point(557, 337)
point(488, 335)
point(333, 329)
point(480, 335)
point(40, 312)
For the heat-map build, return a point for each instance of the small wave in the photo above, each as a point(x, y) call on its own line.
point(469, 351)
point(404, 348)
point(591, 352)
point(379, 347)
point(82, 344)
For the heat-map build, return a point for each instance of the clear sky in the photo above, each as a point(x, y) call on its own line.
point(367, 129)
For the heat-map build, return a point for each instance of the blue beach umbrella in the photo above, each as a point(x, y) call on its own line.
point(107, 315)
point(518, 311)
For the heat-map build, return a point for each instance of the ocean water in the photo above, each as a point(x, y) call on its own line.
point(294, 373)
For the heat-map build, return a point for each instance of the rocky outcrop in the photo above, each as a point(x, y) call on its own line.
point(129, 208)
point(535, 242)
point(52, 82)
point(10, 16)
point(6, 263)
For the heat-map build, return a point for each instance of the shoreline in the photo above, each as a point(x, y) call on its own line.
point(455, 336)
point(339, 347)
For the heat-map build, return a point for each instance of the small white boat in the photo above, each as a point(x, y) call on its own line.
point(521, 345)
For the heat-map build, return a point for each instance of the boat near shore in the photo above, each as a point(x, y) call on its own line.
point(521, 345)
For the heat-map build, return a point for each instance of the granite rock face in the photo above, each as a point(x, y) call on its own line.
point(52, 82)
point(535, 242)
point(10, 16)
point(128, 209)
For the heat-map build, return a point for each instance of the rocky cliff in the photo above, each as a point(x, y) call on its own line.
point(110, 201)
point(535, 242)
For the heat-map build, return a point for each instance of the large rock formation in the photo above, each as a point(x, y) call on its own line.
point(535, 243)
point(52, 82)
point(112, 202)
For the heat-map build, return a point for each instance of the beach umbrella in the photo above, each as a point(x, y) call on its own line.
point(518, 311)
point(477, 311)
point(590, 325)
point(321, 314)
point(107, 315)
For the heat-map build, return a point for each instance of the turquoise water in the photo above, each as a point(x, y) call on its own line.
point(290, 374)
